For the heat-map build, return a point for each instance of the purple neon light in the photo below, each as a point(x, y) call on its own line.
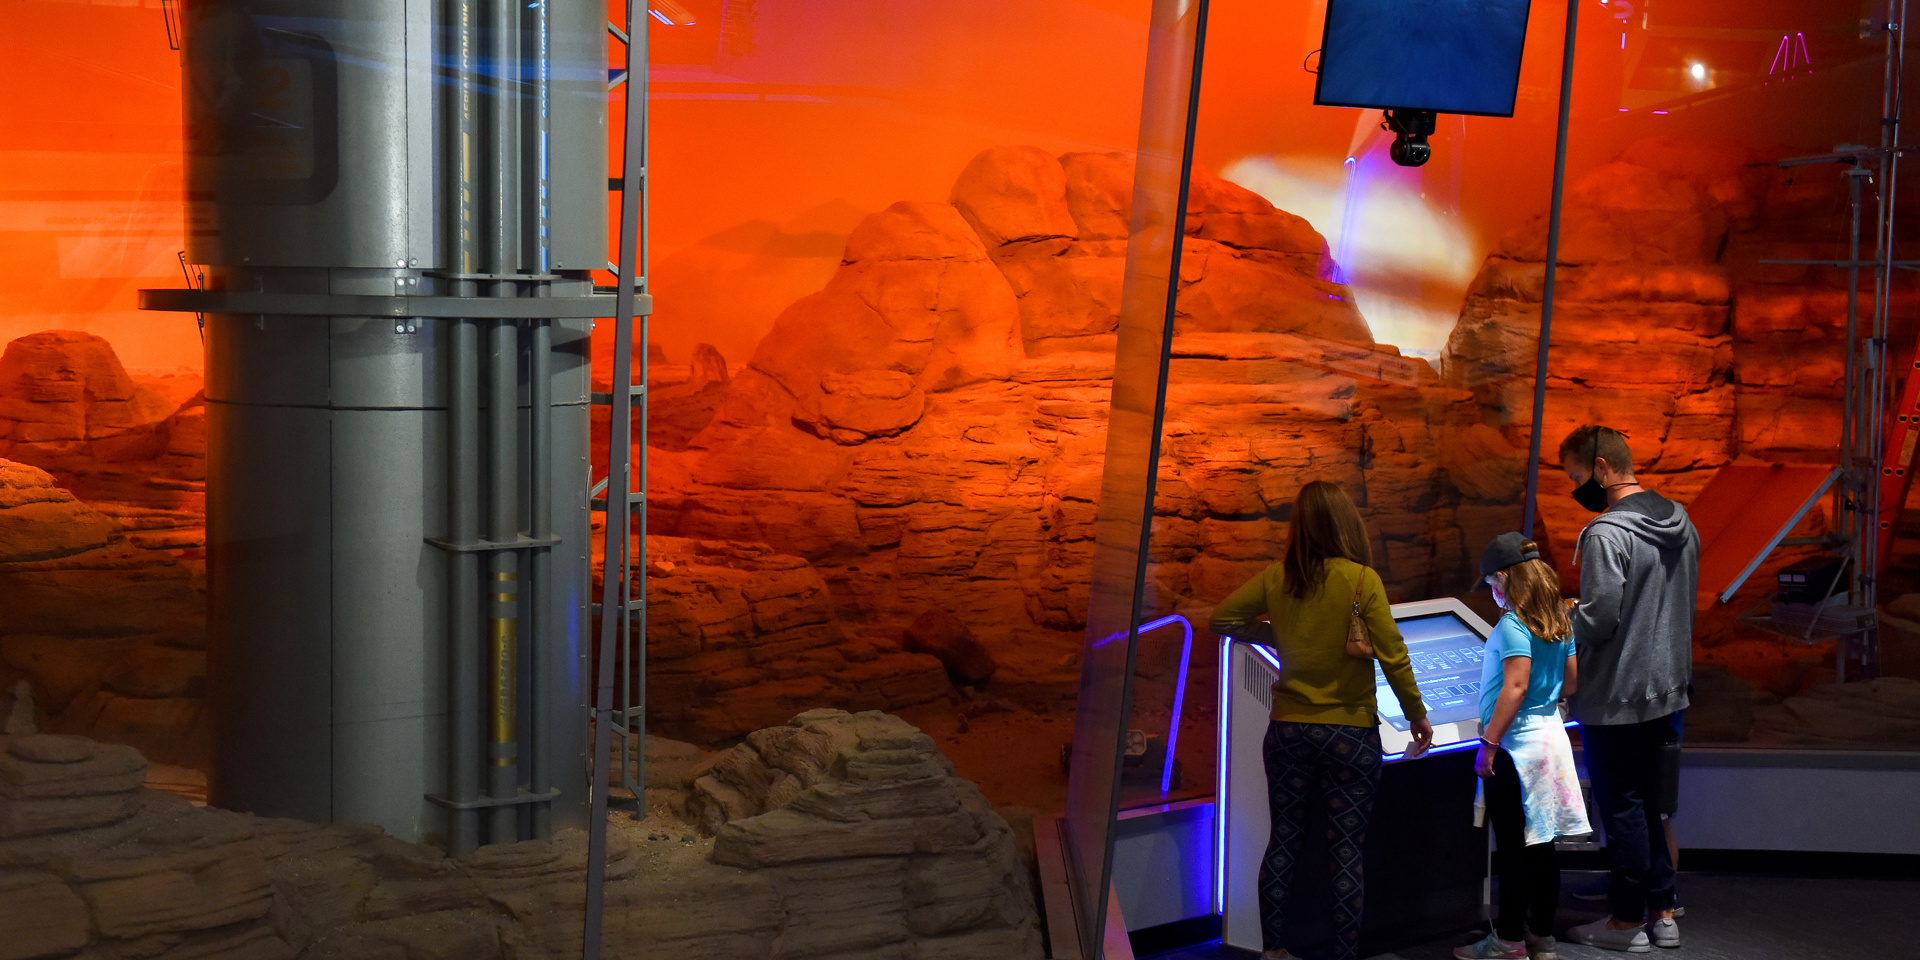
point(1180, 686)
point(1179, 691)
point(1268, 654)
point(1220, 786)
point(1220, 770)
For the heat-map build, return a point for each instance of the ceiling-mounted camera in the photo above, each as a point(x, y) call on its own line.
point(1410, 131)
point(1418, 60)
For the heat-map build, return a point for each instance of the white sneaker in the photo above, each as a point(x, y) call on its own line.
point(1663, 932)
point(1542, 948)
point(1598, 934)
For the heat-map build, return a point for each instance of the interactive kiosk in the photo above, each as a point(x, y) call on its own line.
point(1426, 863)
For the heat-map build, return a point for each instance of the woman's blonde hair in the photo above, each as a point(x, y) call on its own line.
point(1533, 594)
point(1325, 526)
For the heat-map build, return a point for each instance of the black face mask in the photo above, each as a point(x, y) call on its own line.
point(1591, 494)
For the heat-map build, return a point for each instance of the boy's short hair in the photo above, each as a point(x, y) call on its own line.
point(1593, 440)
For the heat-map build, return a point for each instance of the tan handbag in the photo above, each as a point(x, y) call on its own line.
point(1359, 642)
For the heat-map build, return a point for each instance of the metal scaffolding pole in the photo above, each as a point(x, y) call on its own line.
point(1530, 503)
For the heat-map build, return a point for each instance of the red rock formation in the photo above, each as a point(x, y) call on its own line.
point(740, 637)
point(65, 399)
point(1658, 329)
point(40, 521)
point(105, 610)
point(926, 432)
point(1668, 327)
point(893, 431)
point(1058, 229)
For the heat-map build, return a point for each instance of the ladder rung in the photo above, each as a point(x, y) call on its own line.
point(634, 612)
point(599, 504)
point(606, 399)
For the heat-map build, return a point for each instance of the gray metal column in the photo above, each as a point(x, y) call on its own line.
point(387, 179)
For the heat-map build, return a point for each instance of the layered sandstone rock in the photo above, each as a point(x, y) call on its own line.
point(64, 398)
point(1641, 336)
point(891, 849)
point(928, 432)
point(1666, 325)
point(1057, 228)
point(947, 638)
point(41, 521)
point(740, 637)
point(52, 784)
point(164, 879)
point(102, 595)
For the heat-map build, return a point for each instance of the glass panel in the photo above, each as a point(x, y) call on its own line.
point(1127, 488)
point(1673, 327)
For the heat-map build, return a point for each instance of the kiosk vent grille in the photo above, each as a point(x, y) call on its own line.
point(1257, 680)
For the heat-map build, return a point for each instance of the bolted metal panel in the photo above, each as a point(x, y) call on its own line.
point(577, 161)
point(264, 360)
point(269, 579)
point(388, 620)
point(330, 608)
point(297, 118)
point(426, 212)
point(563, 668)
point(380, 362)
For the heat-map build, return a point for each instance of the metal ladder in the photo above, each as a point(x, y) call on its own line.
point(620, 678)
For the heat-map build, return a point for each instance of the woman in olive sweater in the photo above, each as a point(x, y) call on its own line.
point(1323, 744)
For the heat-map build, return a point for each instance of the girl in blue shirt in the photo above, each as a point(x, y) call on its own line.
point(1525, 761)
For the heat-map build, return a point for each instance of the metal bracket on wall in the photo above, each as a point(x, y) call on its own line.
point(632, 614)
point(373, 305)
point(599, 504)
point(520, 799)
point(484, 546)
point(528, 277)
point(606, 399)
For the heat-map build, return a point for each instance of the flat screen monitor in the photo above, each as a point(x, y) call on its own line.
point(1446, 654)
point(1449, 56)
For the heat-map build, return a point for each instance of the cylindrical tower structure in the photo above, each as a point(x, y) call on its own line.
point(399, 203)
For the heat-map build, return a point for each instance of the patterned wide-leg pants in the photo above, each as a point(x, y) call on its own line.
point(1334, 765)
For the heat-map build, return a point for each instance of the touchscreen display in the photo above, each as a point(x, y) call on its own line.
point(1446, 655)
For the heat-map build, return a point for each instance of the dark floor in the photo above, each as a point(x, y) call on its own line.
point(1731, 917)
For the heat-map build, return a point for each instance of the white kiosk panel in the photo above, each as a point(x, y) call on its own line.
point(1444, 641)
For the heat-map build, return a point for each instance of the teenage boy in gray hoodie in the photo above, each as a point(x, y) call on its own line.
point(1639, 566)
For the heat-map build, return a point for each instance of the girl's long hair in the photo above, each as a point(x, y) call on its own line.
point(1533, 594)
point(1325, 525)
